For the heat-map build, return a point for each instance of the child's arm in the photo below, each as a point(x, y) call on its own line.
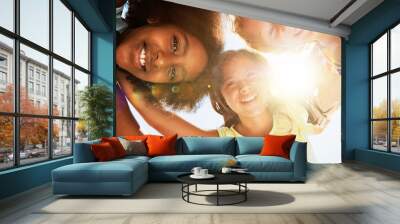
point(126, 123)
point(164, 121)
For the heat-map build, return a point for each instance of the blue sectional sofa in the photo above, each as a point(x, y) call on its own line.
point(125, 176)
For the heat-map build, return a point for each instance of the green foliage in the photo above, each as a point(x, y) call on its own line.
point(96, 103)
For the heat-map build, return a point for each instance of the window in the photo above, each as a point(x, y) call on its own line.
point(6, 89)
point(385, 94)
point(3, 61)
point(81, 45)
point(38, 89)
point(30, 72)
point(3, 72)
point(7, 14)
point(44, 91)
point(38, 74)
point(30, 87)
point(45, 74)
point(3, 78)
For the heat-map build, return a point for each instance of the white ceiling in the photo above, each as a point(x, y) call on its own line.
point(313, 15)
point(320, 9)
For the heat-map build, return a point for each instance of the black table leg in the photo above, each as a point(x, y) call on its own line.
point(245, 193)
point(188, 189)
point(217, 194)
point(196, 187)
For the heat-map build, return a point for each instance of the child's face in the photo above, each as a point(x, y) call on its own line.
point(162, 53)
point(268, 36)
point(244, 85)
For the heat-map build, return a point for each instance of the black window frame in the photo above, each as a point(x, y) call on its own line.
point(16, 115)
point(388, 74)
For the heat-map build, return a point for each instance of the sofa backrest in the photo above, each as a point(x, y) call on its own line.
point(206, 145)
point(83, 152)
point(249, 145)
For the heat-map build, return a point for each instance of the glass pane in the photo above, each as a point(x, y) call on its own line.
point(81, 45)
point(395, 136)
point(379, 55)
point(6, 142)
point(62, 138)
point(395, 94)
point(81, 131)
point(395, 47)
point(379, 135)
point(62, 29)
point(81, 81)
point(6, 74)
point(33, 139)
point(7, 14)
point(34, 97)
point(35, 21)
point(62, 89)
point(379, 97)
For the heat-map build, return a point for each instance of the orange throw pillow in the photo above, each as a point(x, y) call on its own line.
point(135, 137)
point(277, 145)
point(103, 152)
point(161, 145)
point(116, 145)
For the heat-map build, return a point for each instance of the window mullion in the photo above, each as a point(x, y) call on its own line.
point(16, 84)
point(389, 101)
point(50, 81)
point(371, 142)
point(73, 82)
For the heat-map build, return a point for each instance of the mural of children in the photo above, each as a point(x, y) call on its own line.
point(240, 95)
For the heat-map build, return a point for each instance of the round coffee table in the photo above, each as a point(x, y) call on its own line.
point(238, 179)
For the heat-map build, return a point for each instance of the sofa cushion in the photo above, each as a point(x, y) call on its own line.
point(249, 145)
point(111, 171)
point(83, 152)
point(277, 145)
point(116, 145)
point(134, 147)
point(161, 145)
point(257, 163)
point(185, 163)
point(206, 145)
point(103, 152)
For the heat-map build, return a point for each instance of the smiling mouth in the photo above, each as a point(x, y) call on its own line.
point(142, 57)
point(248, 99)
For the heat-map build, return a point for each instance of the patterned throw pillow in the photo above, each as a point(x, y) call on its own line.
point(134, 147)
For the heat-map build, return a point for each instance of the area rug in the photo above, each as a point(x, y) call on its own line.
point(166, 198)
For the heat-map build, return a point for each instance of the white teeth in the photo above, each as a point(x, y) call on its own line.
point(142, 57)
point(248, 99)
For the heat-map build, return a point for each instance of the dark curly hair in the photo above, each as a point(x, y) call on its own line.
point(217, 100)
point(204, 24)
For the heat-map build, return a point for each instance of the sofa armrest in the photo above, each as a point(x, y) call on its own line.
point(298, 155)
point(83, 152)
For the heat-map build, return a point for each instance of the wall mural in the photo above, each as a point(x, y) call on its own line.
point(196, 72)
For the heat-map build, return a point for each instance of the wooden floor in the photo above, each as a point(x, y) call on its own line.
point(377, 188)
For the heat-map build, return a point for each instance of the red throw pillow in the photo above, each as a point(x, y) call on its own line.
point(116, 145)
point(161, 145)
point(103, 151)
point(277, 145)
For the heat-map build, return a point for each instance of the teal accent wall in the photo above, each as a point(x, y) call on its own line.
point(356, 134)
point(103, 53)
point(99, 16)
